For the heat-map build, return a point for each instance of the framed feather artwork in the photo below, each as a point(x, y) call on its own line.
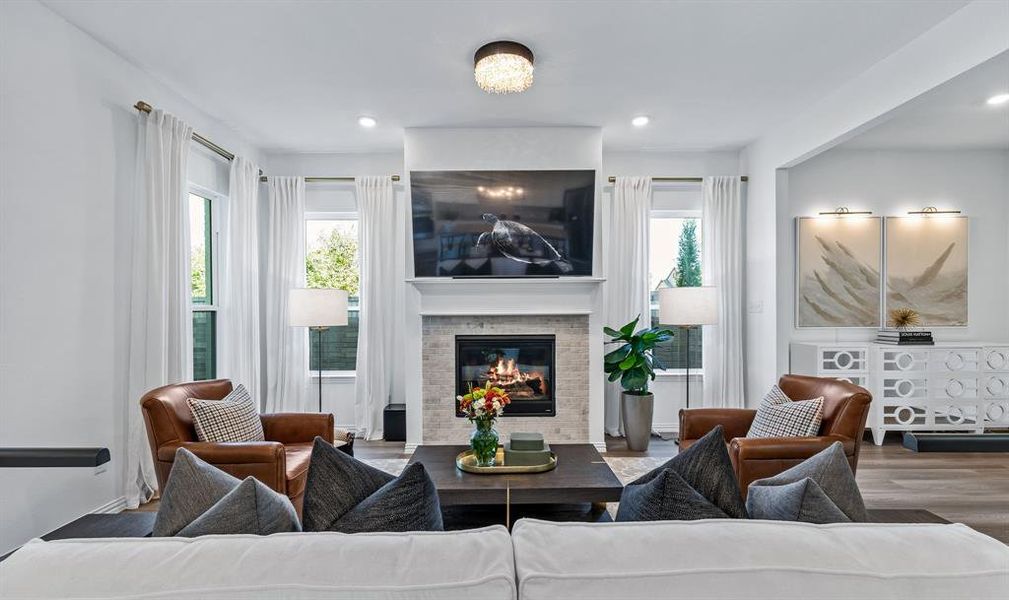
point(837, 271)
point(926, 268)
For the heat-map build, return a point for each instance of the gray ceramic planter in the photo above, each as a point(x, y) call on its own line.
point(636, 412)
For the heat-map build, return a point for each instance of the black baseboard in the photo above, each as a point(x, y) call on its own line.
point(956, 442)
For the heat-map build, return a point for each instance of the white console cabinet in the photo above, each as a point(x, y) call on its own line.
point(953, 386)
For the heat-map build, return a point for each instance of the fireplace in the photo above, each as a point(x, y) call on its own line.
point(522, 365)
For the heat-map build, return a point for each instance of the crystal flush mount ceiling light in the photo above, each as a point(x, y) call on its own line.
point(503, 67)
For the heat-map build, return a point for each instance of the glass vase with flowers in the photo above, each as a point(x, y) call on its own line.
point(482, 406)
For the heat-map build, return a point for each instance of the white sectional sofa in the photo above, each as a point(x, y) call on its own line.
point(728, 559)
point(539, 560)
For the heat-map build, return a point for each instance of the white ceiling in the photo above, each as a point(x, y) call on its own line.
point(953, 116)
point(293, 76)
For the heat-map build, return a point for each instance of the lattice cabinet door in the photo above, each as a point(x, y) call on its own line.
point(843, 361)
point(847, 362)
point(955, 360)
point(994, 387)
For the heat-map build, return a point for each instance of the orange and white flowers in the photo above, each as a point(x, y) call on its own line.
point(484, 403)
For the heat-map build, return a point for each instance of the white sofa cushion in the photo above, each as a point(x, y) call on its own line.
point(430, 565)
point(728, 559)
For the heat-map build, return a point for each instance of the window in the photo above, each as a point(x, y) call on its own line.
point(202, 248)
point(675, 261)
point(331, 261)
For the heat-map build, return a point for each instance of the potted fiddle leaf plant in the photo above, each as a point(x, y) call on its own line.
point(633, 364)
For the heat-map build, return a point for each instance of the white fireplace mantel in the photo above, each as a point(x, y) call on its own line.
point(498, 297)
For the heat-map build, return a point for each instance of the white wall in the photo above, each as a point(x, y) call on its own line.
point(889, 183)
point(966, 39)
point(67, 148)
point(338, 391)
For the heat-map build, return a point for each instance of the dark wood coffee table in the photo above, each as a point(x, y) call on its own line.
point(581, 476)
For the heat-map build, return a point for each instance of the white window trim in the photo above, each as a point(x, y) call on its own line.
point(332, 215)
point(661, 213)
point(334, 376)
point(665, 213)
point(679, 374)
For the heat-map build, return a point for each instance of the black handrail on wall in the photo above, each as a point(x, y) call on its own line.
point(53, 457)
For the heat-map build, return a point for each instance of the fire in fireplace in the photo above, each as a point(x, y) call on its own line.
point(522, 365)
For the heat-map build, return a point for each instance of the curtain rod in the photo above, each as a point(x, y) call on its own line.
point(199, 139)
point(264, 178)
point(613, 179)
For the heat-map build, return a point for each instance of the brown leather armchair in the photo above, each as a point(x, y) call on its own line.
point(280, 462)
point(845, 408)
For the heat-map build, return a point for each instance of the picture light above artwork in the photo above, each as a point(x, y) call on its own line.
point(843, 211)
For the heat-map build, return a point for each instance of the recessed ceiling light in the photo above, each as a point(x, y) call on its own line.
point(640, 121)
point(368, 122)
point(998, 99)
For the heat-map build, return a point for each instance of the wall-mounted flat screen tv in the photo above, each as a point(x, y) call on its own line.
point(502, 223)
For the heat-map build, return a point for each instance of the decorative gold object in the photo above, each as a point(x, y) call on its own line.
point(466, 461)
point(904, 317)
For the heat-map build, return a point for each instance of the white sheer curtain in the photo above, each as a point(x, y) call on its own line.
point(161, 326)
point(722, 252)
point(626, 269)
point(376, 334)
point(286, 346)
point(238, 326)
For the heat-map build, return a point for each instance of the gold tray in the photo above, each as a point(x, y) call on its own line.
point(467, 462)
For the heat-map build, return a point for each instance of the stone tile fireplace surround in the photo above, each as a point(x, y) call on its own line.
point(440, 423)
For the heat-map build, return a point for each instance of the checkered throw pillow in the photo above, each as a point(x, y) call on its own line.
point(779, 416)
point(231, 419)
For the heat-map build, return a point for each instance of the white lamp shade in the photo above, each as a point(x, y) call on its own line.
point(688, 306)
point(317, 308)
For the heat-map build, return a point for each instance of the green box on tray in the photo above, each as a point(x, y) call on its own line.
point(525, 458)
point(527, 441)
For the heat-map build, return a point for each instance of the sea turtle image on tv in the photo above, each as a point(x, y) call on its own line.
point(519, 242)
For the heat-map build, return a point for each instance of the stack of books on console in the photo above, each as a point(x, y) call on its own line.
point(905, 338)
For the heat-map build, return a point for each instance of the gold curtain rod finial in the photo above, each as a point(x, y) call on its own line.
point(143, 106)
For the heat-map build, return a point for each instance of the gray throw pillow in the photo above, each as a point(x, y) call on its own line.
point(344, 494)
point(698, 483)
point(200, 499)
point(821, 489)
point(252, 507)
